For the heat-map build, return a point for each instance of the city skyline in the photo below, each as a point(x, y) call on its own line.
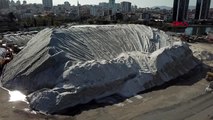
point(139, 3)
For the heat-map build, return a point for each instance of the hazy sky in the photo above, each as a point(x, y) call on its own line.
point(140, 3)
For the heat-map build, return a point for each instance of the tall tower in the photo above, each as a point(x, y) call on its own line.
point(111, 3)
point(78, 9)
point(180, 9)
point(112, 6)
point(47, 4)
point(126, 7)
point(4, 4)
point(202, 9)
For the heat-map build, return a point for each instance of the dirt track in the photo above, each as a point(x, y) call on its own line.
point(200, 108)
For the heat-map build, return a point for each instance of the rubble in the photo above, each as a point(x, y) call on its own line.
point(17, 41)
point(209, 76)
point(5, 56)
point(210, 87)
point(61, 68)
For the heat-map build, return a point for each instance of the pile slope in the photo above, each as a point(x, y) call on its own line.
point(61, 68)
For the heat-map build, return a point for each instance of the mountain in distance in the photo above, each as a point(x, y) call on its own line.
point(169, 8)
point(163, 7)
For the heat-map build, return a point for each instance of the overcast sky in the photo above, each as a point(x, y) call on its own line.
point(139, 3)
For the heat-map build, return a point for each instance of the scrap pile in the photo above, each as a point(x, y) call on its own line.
point(194, 38)
point(17, 41)
point(209, 77)
point(12, 43)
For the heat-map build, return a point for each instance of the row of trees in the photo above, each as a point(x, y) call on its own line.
point(52, 20)
point(42, 21)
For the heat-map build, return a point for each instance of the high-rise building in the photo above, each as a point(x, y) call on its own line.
point(126, 7)
point(104, 5)
point(202, 9)
point(112, 9)
point(4, 4)
point(180, 9)
point(47, 4)
point(111, 3)
point(96, 10)
point(118, 7)
point(78, 9)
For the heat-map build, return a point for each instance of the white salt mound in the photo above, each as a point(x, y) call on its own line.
point(61, 68)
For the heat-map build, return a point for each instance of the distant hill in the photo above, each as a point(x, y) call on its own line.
point(163, 7)
point(169, 8)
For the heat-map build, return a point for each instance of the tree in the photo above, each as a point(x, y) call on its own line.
point(157, 8)
point(34, 22)
point(11, 17)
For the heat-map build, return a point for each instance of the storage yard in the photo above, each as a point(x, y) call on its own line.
point(108, 72)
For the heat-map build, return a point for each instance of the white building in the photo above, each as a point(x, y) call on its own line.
point(118, 7)
point(126, 7)
point(47, 4)
point(4, 4)
point(97, 11)
point(111, 3)
point(104, 5)
point(112, 7)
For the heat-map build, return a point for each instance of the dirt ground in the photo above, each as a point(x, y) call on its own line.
point(183, 98)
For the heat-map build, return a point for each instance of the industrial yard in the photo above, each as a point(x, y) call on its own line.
point(176, 96)
point(106, 60)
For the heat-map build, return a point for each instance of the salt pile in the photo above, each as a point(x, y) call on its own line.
point(61, 68)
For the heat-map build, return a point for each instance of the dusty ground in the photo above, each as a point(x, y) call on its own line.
point(184, 98)
point(16, 110)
